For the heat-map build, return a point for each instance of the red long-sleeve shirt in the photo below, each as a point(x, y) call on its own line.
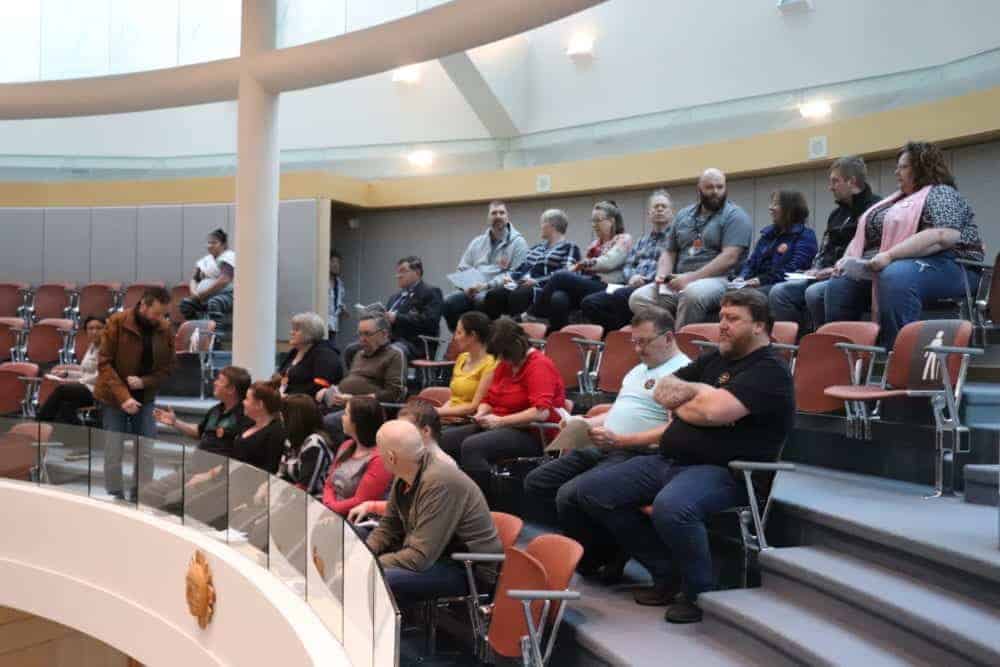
point(373, 485)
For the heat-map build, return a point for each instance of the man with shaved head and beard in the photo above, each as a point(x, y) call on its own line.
point(434, 510)
point(707, 241)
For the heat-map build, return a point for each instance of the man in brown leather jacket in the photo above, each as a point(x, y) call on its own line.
point(136, 356)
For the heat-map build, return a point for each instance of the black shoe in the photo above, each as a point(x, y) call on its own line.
point(613, 572)
point(658, 595)
point(683, 611)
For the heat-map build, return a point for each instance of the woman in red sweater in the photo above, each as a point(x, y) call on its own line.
point(357, 473)
point(526, 388)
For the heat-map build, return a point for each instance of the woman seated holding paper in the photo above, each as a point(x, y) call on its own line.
point(785, 245)
point(602, 266)
point(310, 364)
point(526, 388)
point(905, 251)
point(76, 385)
point(473, 370)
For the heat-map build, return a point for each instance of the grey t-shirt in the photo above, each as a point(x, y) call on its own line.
point(729, 227)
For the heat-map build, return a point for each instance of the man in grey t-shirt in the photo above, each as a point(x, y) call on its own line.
point(707, 241)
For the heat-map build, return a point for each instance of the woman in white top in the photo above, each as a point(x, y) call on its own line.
point(212, 282)
point(76, 388)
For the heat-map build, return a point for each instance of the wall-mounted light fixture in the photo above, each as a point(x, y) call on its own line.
point(817, 109)
point(409, 75)
point(581, 46)
point(422, 159)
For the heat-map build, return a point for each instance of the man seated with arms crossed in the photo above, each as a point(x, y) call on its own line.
point(377, 370)
point(634, 423)
point(706, 242)
point(434, 510)
point(736, 403)
point(215, 434)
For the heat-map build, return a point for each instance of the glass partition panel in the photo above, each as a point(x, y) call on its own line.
point(20, 446)
point(112, 464)
point(205, 493)
point(360, 571)
point(64, 456)
point(325, 566)
point(287, 523)
point(248, 511)
point(387, 624)
point(163, 492)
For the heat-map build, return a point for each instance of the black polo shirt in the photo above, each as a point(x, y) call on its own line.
point(218, 429)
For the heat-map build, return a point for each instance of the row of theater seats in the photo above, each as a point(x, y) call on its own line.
point(25, 384)
point(61, 300)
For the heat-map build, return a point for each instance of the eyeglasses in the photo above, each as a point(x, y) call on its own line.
point(643, 342)
point(369, 334)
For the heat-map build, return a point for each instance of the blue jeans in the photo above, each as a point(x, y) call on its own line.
point(675, 542)
point(564, 292)
point(799, 301)
point(141, 424)
point(904, 288)
point(558, 482)
point(442, 579)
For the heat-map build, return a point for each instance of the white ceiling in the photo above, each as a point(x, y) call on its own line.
point(665, 72)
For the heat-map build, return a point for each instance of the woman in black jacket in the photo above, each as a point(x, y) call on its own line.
point(310, 365)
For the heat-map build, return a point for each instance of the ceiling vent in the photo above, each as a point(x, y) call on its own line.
point(794, 6)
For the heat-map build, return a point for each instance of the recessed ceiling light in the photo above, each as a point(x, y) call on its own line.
point(421, 159)
point(409, 74)
point(581, 45)
point(815, 109)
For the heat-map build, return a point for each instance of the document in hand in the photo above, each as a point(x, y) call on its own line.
point(614, 287)
point(467, 278)
point(376, 307)
point(858, 269)
point(795, 275)
point(574, 435)
point(665, 290)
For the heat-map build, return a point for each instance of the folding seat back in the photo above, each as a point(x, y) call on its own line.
point(588, 331)
point(686, 343)
point(134, 293)
point(49, 341)
point(97, 300)
point(508, 527)
point(709, 330)
point(177, 294)
point(13, 391)
point(436, 395)
point(566, 355)
point(617, 359)
point(52, 300)
point(910, 367)
point(559, 555)
point(820, 364)
point(785, 332)
point(12, 298)
point(860, 333)
point(206, 336)
point(10, 336)
point(507, 623)
point(534, 329)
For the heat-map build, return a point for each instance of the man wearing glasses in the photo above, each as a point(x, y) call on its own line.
point(376, 370)
point(415, 310)
point(634, 423)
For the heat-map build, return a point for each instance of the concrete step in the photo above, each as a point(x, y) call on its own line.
point(982, 484)
point(816, 629)
point(968, 628)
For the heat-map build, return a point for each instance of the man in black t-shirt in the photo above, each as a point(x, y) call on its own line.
point(737, 403)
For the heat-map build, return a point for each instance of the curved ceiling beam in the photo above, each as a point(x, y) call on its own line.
point(448, 28)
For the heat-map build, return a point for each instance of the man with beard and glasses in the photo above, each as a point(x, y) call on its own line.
point(136, 356)
point(706, 242)
point(736, 403)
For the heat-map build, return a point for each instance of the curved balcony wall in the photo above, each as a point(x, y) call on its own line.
point(295, 582)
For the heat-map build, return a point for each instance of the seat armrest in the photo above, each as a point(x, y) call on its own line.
point(28, 380)
point(753, 466)
point(707, 344)
point(974, 264)
point(949, 349)
point(862, 348)
point(784, 346)
point(524, 594)
point(589, 342)
point(477, 558)
point(545, 426)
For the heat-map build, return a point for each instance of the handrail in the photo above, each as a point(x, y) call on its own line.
point(313, 551)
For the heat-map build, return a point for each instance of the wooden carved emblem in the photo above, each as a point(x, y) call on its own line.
point(200, 590)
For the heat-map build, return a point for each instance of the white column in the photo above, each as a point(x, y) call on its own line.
point(257, 170)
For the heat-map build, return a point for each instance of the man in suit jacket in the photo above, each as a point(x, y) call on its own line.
point(415, 310)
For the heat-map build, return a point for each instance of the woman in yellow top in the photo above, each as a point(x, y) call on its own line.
point(473, 370)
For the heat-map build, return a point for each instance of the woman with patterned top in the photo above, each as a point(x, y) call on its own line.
point(544, 259)
point(910, 243)
point(307, 454)
point(602, 266)
point(357, 473)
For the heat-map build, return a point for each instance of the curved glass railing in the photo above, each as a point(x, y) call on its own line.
point(312, 550)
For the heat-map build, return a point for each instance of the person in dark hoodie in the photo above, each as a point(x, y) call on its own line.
point(495, 253)
point(803, 300)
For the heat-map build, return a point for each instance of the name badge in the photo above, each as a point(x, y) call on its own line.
point(650, 383)
point(696, 246)
point(782, 249)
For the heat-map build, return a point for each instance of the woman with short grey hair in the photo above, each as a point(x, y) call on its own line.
point(310, 364)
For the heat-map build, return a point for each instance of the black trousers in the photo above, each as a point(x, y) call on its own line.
point(501, 301)
point(63, 403)
point(611, 311)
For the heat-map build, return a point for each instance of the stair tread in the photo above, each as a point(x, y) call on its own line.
point(952, 619)
point(811, 637)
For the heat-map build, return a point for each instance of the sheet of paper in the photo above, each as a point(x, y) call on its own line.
point(614, 287)
point(370, 308)
point(736, 284)
point(795, 275)
point(463, 280)
point(665, 290)
point(574, 435)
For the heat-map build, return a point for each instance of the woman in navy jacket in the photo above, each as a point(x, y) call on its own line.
point(786, 245)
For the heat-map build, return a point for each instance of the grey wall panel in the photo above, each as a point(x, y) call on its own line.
point(66, 251)
point(198, 221)
point(159, 244)
point(976, 169)
point(113, 244)
point(21, 233)
point(231, 223)
point(824, 205)
point(296, 268)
